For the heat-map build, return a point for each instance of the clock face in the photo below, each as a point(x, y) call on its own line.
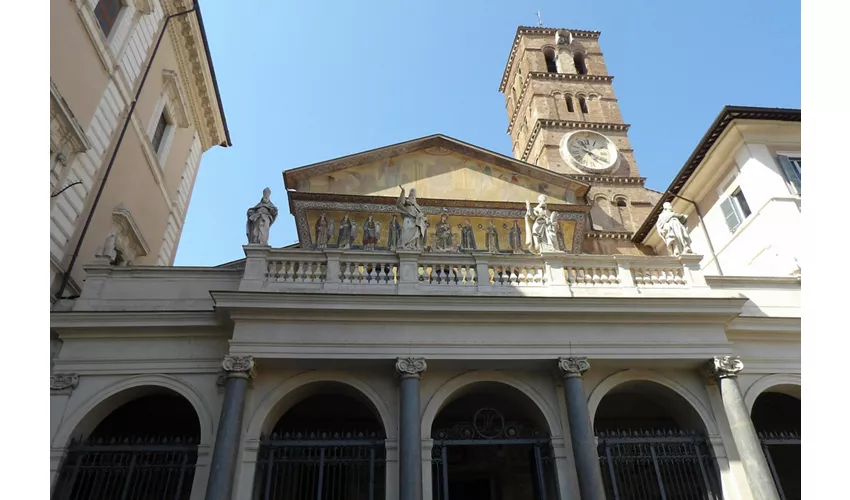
point(589, 151)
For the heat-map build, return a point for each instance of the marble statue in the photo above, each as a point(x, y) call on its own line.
point(109, 249)
point(515, 238)
point(413, 221)
point(492, 236)
point(671, 227)
point(324, 229)
point(347, 230)
point(371, 231)
point(467, 236)
point(540, 227)
point(260, 219)
point(443, 234)
point(394, 233)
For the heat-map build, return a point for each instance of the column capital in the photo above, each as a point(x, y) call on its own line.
point(410, 367)
point(239, 366)
point(63, 382)
point(724, 366)
point(573, 366)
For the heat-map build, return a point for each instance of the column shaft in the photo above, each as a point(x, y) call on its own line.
point(410, 434)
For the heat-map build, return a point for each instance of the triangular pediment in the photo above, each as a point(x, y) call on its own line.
point(438, 167)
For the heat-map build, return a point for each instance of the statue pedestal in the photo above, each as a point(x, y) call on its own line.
point(408, 271)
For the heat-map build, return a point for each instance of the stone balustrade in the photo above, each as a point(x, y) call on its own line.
point(555, 274)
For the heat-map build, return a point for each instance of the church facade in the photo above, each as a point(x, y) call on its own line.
point(456, 323)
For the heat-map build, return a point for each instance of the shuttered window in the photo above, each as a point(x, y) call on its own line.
point(106, 12)
point(791, 169)
point(735, 209)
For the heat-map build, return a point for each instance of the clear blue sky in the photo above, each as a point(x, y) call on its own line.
point(303, 82)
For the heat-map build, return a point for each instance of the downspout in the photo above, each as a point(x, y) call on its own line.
point(704, 230)
point(66, 276)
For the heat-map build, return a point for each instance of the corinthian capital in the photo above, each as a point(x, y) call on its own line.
point(572, 366)
point(64, 381)
point(724, 366)
point(410, 367)
point(238, 365)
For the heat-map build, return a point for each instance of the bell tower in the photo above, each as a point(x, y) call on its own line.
point(563, 115)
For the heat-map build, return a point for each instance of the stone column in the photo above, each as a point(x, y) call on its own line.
point(581, 429)
point(238, 372)
point(410, 436)
point(724, 369)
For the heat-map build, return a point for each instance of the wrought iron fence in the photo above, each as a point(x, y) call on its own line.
point(657, 465)
point(782, 449)
point(128, 469)
point(321, 466)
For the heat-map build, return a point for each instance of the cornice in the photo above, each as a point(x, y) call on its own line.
point(761, 328)
point(608, 235)
point(568, 124)
point(529, 30)
point(61, 321)
point(608, 179)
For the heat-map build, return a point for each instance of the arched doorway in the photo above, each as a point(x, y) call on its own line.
point(145, 448)
point(776, 417)
point(492, 443)
point(652, 444)
point(330, 445)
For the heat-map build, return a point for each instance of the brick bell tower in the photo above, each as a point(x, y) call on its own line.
point(563, 115)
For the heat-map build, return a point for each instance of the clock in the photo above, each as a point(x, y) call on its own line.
point(590, 151)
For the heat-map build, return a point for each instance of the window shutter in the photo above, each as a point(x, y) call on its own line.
point(730, 214)
point(790, 173)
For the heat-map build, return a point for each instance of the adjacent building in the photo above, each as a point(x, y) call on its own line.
point(456, 323)
point(128, 182)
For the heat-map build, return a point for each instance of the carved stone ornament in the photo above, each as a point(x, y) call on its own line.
point(572, 366)
point(724, 366)
point(410, 367)
point(64, 381)
point(233, 365)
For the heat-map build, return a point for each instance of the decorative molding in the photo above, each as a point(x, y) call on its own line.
point(64, 382)
point(573, 366)
point(410, 367)
point(243, 366)
point(144, 6)
point(608, 235)
point(129, 238)
point(724, 366)
point(175, 98)
point(65, 131)
point(609, 179)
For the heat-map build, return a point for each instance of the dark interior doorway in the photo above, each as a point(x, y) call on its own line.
point(776, 417)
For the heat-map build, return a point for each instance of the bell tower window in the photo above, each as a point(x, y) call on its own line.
point(551, 65)
point(582, 103)
point(581, 67)
point(570, 107)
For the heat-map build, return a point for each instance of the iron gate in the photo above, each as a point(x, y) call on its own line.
point(657, 465)
point(489, 428)
point(128, 469)
point(783, 442)
point(321, 466)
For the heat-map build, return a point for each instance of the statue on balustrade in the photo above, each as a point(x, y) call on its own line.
point(371, 230)
point(492, 236)
point(540, 227)
point(324, 230)
point(260, 219)
point(467, 236)
point(413, 221)
point(394, 233)
point(515, 238)
point(347, 230)
point(443, 235)
point(672, 228)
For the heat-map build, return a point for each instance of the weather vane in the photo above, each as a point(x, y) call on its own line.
point(539, 20)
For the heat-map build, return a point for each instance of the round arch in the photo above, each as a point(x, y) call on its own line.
point(631, 375)
point(106, 397)
point(271, 408)
point(766, 383)
point(454, 387)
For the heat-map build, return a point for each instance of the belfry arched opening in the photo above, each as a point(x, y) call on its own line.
point(490, 443)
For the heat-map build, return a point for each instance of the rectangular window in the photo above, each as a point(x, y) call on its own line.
point(106, 12)
point(159, 133)
point(791, 168)
point(735, 209)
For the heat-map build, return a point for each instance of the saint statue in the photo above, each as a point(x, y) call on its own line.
point(260, 219)
point(515, 238)
point(394, 233)
point(346, 233)
point(324, 229)
point(467, 236)
point(371, 230)
point(671, 227)
point(540, 227)
point(413, 221)
point(492, 235)
point(443, 234)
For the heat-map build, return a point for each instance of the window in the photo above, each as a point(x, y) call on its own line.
point(791, 167)
point(106, 12)
point(621, 202)
point(551, 65)
point(581, 67)
point(159, 133)
point(570, 106)
point(735, 209)
point(582, 103)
